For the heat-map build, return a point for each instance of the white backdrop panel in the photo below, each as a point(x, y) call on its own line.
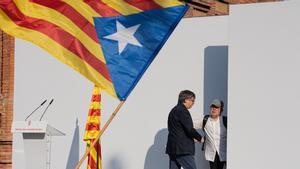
point(264, 66)
point(136, 139)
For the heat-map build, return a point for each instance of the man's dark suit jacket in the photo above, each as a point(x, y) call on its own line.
point(181, 132)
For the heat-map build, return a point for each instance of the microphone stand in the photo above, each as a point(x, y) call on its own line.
point(36, 109)
point(46, 109)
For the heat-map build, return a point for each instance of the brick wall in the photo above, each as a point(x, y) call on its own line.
point(6, 99)
point(214, 7)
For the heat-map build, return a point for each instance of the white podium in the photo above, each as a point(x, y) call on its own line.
point(37, 137)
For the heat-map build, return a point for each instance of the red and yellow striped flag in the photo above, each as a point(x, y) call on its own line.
point(92, 129)
point(66, 30)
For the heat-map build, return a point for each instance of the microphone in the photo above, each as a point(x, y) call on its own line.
point(46, 109)
point(35, 109)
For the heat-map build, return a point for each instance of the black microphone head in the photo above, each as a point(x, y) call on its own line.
point(51, 101)
point(44, 102)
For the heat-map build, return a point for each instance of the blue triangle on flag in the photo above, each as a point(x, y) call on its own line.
point(130, 43)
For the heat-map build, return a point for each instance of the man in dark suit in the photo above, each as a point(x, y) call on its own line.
point(180, 145)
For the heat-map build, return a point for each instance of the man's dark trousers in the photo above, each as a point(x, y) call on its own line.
point(217, 164)
point(184, 161)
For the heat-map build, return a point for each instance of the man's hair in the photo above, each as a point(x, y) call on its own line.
point(185, 94)
point(222, 106)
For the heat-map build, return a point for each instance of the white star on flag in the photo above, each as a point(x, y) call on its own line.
point(124, 36)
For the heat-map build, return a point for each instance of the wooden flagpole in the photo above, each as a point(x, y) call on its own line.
point(99, 135)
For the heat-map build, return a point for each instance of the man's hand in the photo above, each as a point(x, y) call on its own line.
point(202, 140)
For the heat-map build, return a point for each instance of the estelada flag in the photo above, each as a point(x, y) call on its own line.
point(66, 29)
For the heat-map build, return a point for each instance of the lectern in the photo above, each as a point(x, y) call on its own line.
point(37, 137)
